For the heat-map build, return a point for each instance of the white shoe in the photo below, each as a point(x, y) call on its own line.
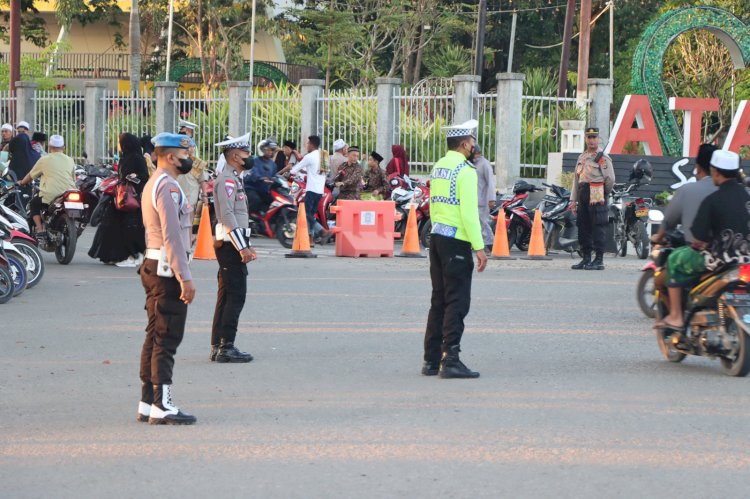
point(130, 262)
point(139, 259)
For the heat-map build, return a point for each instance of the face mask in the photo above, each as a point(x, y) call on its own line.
point(248, 163)
point(186, 164)
point(472, 154)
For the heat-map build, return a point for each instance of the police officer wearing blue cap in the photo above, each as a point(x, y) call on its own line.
point(165, 275)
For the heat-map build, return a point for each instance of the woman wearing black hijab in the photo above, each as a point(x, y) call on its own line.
point(120, 236)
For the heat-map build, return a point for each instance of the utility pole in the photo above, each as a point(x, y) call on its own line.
point(252, 44)
point(15, 43)
point(611, 39)
point(584, 46)
point(512, 41)
point(570, 13)
point(169, 37)
point(481, 21)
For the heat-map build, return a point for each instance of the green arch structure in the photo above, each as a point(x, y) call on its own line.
point(184, 67)
point(648, 61)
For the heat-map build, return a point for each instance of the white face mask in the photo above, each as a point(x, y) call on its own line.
point(695, 172)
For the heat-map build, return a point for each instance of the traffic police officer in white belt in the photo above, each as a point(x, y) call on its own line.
point(233, 249)
point(165, 274)
point(456, 231)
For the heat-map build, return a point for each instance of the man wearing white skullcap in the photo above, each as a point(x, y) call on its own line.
point(338, 158)
point(721, 231)
point(6, 134)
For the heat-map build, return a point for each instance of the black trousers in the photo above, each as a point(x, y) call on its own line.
point(451, 267)
point(590, 234)
point(230, 298)
point(166, 324)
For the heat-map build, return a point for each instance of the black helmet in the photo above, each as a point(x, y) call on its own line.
point(642, 169)
point(522, 186)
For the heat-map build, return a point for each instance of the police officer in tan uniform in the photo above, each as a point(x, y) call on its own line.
point(166, 278)
point(233, 250)
point(593, 181)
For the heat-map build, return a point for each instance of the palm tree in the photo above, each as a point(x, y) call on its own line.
point(135, 46)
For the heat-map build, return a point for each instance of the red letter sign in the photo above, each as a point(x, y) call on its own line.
point(635, 108)
point(691, 128)
point(739, 135)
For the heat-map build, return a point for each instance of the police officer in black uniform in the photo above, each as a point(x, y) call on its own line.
point(233, 250)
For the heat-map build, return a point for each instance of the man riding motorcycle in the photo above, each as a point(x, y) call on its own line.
point(687, 199)
point(720, 235)
point(258, 182)
point(58, 175)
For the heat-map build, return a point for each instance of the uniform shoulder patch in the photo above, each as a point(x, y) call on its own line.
point(230, 187)
point(175, 193)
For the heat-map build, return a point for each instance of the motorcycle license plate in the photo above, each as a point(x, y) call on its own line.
point(641, 212)
point(550, 198)
point(69, 205)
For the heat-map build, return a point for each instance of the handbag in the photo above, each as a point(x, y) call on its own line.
point(126, 199)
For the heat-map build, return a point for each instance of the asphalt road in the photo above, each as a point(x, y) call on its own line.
point(574, 399)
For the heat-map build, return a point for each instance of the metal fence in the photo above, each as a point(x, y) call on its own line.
point(211, 113)
point(351, 115)
point(540, 133)
point(484, 111)
point(127, 112)
point(421, 116)
point(60, 112)
point(274, 112)
point(7, 107)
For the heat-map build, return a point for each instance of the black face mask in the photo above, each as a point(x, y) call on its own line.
point(248, 163)
point(186, 164)
point(472, 154)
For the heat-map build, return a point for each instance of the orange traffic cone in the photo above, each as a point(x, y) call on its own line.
point(204, 246)
point(537, 250)
point(411, 247)
point(301, 245)
point(500, 248)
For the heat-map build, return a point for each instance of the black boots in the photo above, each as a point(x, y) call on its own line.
point(163, 411)
point(144, 406)
point(430, 368)
point(227, 352)
point(598, 263)
point(585, 261)
point(214, 352)
point(452, 367)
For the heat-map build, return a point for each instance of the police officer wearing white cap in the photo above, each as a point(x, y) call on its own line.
point(166, 278)
point(721, 231)
point(233, 250)
point(456, 234)
point(185, 127)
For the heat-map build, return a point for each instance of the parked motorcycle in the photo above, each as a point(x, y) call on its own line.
point(26, 246)
point(559, 221)
point(519, 218)
point(717, 317)
point(16, 264)
point(645, 289)
point(630, 219)
point(404, 191)
point(6, 278)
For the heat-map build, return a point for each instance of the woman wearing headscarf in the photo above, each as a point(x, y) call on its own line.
point(399, 163)
point(120, 236)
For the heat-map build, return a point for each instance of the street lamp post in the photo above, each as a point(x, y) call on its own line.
point(169, 36)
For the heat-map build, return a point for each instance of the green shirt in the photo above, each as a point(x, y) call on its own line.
point(58, 173)
point(453, 200)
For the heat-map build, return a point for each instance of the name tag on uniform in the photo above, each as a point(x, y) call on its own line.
point(444, 230)
point(444, 173)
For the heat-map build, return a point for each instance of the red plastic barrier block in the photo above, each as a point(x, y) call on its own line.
point(365, 228)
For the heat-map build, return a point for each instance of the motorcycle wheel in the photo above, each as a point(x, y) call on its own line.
point(65, 251)
point(17, 269)
point(740, 365)
point(621, 241)
point(523, 239)
point(425, 234)
point(286, 226)
point(645, 294)
point(6, 285)
point(34, 261)
point(512, 235)
point(665, 345)
point(401, 224)
point(642, 242)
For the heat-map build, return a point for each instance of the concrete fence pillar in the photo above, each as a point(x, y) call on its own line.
point(508, 129)
point(94, 120)
point(239, 105)
point(312, 122)
point(388, 116)
point(601, 94)
point(26, 103)
point(465, 89)
point(165, 109)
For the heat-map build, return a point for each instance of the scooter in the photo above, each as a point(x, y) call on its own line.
point(559, 221)
point(717, 317)
point(64, 221)
point(7, 286)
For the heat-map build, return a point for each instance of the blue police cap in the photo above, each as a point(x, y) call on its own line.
point(172, 140)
